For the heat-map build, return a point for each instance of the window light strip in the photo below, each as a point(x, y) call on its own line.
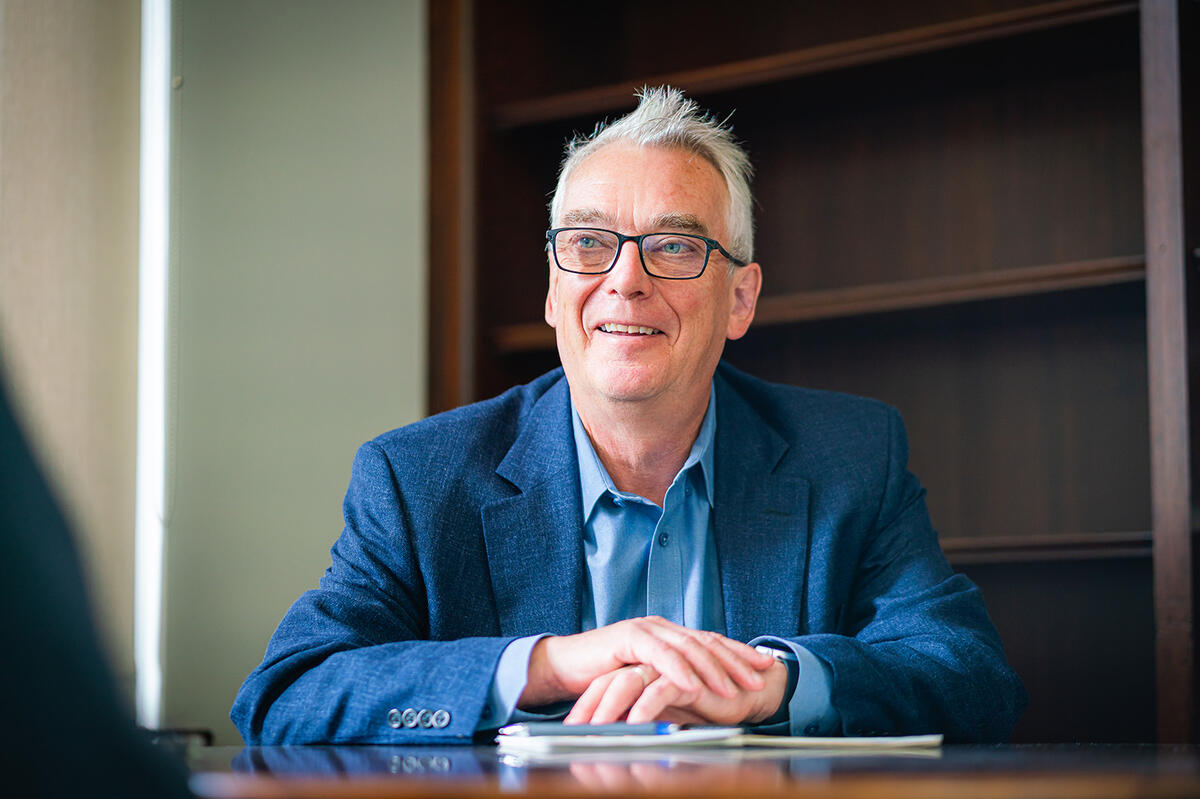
point(152, 325)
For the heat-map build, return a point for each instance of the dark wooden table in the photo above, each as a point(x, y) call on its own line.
point(1090, 771)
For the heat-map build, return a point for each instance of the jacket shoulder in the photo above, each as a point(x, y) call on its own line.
point(801, 413)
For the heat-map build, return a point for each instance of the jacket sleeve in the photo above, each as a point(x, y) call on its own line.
point(914, 651)
point(352, 662)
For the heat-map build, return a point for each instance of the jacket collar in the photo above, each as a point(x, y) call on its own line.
point(534, 545)
point(760, 522)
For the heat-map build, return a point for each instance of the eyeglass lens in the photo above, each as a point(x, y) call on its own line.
point(673, 255)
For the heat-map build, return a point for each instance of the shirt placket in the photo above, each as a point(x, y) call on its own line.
point(664, 579)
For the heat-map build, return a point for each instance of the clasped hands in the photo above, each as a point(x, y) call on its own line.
point(650, 669)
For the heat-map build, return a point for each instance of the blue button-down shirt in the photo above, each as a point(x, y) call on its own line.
point(645, 560)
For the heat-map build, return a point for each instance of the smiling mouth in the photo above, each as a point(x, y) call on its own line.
point(629, 330)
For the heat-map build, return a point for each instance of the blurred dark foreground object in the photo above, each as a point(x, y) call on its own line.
point(64, 731)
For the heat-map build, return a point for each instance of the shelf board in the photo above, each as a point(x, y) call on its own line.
point(811, 60)
point(902, 295)
point(1064, 546)
point(809, 306)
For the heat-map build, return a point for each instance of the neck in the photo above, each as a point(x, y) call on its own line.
point(642, 447)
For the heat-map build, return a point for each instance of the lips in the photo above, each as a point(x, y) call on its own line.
point(629, 330)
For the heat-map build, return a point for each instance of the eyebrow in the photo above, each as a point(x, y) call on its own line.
point(688, 223)
point(585, 216)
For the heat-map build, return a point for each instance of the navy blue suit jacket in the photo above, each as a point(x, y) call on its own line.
point(464, 532)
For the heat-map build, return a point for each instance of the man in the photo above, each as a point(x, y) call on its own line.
point(602, 541)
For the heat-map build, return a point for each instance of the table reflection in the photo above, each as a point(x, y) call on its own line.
point(483, 771)
point(413, 761)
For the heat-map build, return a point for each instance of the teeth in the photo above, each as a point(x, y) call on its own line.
point(614, 328)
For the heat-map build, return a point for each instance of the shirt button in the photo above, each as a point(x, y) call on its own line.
point(663, 538)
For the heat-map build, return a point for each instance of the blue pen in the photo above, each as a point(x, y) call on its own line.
point(539, 728)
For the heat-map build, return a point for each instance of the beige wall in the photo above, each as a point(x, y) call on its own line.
point(297, 306)
point(69, 72)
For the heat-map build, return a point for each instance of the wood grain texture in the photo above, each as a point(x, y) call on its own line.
point(1081, 637)
point(812, 60)
point(1166, 299)
point(451, 199)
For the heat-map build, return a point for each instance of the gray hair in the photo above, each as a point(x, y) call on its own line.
point(665, 118)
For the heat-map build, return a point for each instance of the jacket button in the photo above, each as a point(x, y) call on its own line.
point(425, 718)
point(409, 717)
point(441, 718)
point(811, 729)
point(394, 720)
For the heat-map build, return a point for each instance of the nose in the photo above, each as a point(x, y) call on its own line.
point(627, 277)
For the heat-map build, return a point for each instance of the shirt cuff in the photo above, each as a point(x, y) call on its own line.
point(810, 709)
point(512, 674)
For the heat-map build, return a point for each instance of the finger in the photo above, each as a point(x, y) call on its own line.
point(680, 656)
point(620, 695)
point(655, 699)
point(751, 655)
point(666, 658)
point(741, 662)
point(679, 715)
point(602, 777)
point(585, 705)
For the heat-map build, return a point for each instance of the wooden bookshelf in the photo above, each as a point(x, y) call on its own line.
point(967, 210)
point(811, 60)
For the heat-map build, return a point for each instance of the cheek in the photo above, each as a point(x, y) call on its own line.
point(576, 293)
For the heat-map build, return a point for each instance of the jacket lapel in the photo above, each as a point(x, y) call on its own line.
point(760, 523)
point(533, 538)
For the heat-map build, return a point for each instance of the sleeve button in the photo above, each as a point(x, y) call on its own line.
point(425, 718)
point(441, 718)
point(394, 720)
point(409, 718)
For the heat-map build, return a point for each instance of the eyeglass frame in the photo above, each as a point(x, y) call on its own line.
point(711, 244)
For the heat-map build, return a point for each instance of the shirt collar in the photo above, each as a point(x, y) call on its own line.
point(594, 480)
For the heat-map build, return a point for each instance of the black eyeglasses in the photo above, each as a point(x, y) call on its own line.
point(594, 251)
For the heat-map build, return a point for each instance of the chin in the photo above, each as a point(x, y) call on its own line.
point(627, 387)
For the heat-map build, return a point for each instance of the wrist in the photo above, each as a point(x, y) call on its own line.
point(774, 696)
point(543, 685)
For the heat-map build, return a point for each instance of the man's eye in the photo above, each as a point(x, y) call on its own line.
point(674, 247)
point(585, 242)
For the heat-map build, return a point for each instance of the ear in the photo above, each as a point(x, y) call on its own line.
point(744, 286)
point(550, 295)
